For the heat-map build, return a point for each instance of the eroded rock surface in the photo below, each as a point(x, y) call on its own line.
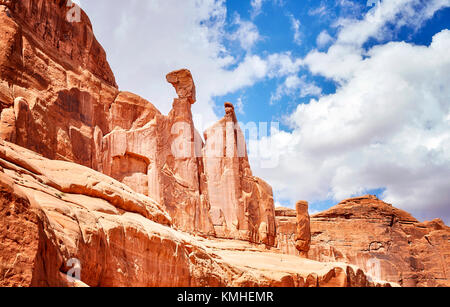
point(384, 241)
point(242, 205)
point(303, 233)
point(135, 222)
point(51, 219)
point(58, 97)
point(54, 75)
point(286, 222)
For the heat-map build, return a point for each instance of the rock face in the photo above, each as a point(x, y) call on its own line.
point(293, 230)
point(383, 240)
point(303, 234)
point(61, 221)
point(286, 222)
point(386, 242)
point(242, 205)
point(58, 97)
point(54, 78)
point(97, 181)
point(160, 156)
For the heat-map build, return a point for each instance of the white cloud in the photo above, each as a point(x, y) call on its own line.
point(240, 106)
point(297, 87)
point(398, 12)
point(256, 7)
point(282, 64)
point(247, 34)
point(295, 25)
point(344, 57)
point(385, 127)
point(323, 39)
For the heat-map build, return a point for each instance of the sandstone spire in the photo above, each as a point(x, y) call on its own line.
point(303, 235)
point(241, 205)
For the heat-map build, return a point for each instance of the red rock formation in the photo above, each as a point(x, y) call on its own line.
point(386, 242)
point(383, 240)
point(241, 204)
point(55, 76)
point(303, 233)
point(286, 222)
point(66, 106)
point(57, 216)
point(18, 235)
point(58, 98)
point(157, 155)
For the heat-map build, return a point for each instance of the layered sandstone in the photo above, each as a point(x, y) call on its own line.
point(55, 78)
point(303, 231)
point(158, 185)
point(160, 156)
point(55, 214)
point(242, 205)
point(58, 97)
point(286, 223)
point(386, 242)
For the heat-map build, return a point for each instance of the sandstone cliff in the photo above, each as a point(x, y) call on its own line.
point(97, 177)
point(386, 242)
point(242, 205)
point(58, 97)
point(55, 214)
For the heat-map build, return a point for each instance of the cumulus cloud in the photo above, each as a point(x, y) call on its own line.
point(296, 86)
point(324, 39)
point(247, 33)
point(283, 64)
point(148, 39)
point(386, 127)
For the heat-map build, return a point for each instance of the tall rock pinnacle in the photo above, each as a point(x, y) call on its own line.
point(242, 205)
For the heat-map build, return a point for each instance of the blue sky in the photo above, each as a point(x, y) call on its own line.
point(361, 92)
point(275, 26)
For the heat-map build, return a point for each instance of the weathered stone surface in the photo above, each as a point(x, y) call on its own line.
point(286, 222)
point(47, 24)
point(386, 242)
point(157, 178)
point(59, 73)
point(383, 240)
point(18, 235)
point(303, 233)
point(67, 107)
point(241, 204)
point(183, 83)
point(50, 217)
point(8, 125)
